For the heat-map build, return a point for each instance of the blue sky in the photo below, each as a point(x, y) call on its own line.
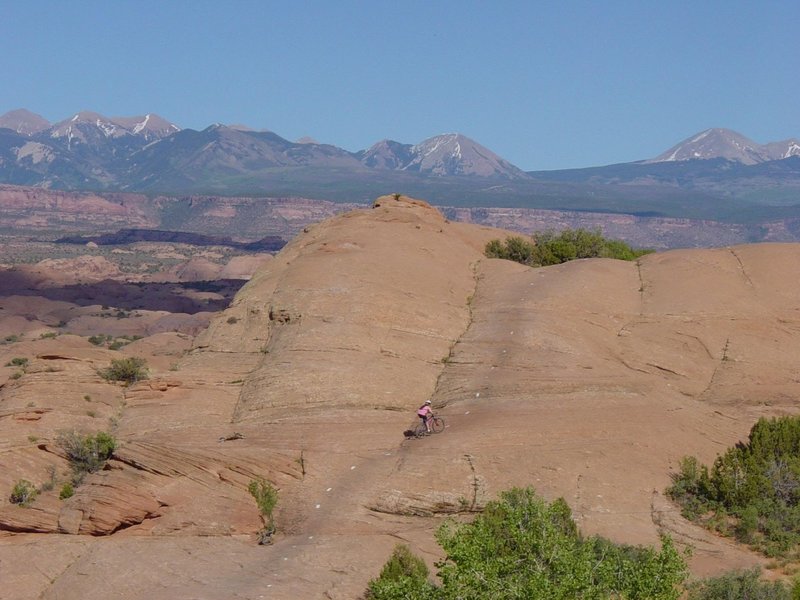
point(546, 85)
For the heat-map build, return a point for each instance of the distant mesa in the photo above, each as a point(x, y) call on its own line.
point(131, 236)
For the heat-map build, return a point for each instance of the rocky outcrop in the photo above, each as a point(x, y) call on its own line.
point(334, 332)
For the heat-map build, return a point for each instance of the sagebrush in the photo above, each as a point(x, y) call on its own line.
point(86, 453)
point(128, 370)
point(23, 493)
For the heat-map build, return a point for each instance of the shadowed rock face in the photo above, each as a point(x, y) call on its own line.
point(588, 380)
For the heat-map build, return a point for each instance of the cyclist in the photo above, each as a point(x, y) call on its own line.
point(425, 412)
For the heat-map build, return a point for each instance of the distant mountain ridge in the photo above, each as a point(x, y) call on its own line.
point(730, 145)
point(92, 151)
point(446, 154)
point(24, 122)
point(717, 173)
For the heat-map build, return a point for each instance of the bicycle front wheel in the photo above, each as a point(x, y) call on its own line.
point(437, 425)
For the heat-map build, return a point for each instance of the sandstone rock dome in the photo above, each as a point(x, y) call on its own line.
point(588, 380)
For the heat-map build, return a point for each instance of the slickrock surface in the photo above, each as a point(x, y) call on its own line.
point(588, 380)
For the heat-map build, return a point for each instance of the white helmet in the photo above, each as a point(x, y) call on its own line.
point(427, 401)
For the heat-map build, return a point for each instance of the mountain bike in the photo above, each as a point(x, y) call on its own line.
point(437, 426)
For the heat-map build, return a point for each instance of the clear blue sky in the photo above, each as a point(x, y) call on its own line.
point(546, 85)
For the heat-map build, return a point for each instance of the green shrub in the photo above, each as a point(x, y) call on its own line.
point(739, 584)
point(18, 361)
point(86, 453)
point(266, 496)
point(751, 491)
point(405, 575)
point(523, 547)
point(550, 248)
point(97, 340)
point(23, 493)
point(128, 370)
point(67, 491)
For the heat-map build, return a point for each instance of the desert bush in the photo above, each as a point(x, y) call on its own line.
point(751, 491)
point(128, 370)
point(741, 584)
point(266, 497)
point(232, 320)
point(67, 491)
point(404, 575)
point(23, 493)
point(17, 361)
point(550, 248)
point(524, 547)
point(51, 481)
point(99, 340)
point(86, 453)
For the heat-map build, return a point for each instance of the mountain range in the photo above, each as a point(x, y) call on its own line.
point(708, 175)
point(90, 150)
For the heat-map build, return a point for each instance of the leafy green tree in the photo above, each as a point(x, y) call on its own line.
point(405, 575)
point(522, 547)
point(751, 491)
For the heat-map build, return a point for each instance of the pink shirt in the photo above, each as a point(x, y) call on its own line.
point(424, 411)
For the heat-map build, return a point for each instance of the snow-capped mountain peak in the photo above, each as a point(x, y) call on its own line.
point(85, 126)
point(456, 154)
point(730, 145)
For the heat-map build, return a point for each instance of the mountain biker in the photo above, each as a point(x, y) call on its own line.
point(425, 412)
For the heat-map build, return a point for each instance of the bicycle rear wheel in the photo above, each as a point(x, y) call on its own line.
point(437, 425)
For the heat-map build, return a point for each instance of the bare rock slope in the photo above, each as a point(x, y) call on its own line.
point(588, 380)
